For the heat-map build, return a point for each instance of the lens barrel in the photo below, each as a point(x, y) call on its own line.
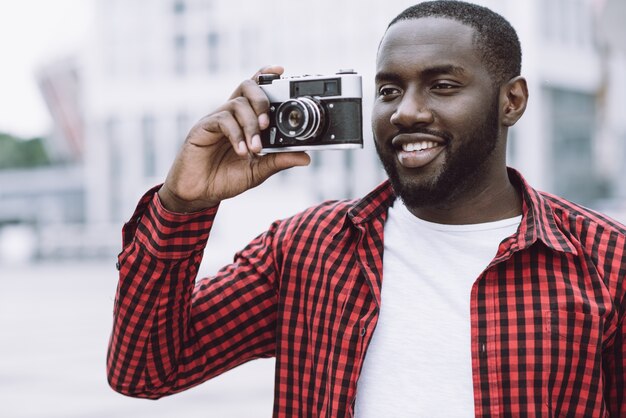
point(300, 118)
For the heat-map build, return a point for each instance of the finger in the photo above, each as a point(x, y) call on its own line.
point(248, 120)
point(268, 69)
point(264, 120)
point(258, 100)
point(271, 164)
point(291, 159)
point(224, 124)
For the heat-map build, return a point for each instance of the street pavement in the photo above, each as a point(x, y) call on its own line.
point(55, 320)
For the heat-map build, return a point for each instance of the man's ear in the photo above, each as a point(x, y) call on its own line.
point(513, 100)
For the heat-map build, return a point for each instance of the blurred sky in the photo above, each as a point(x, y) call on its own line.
point(31, 33)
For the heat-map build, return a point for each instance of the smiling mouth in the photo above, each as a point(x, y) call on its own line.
point(419, 146)
point(418, 153)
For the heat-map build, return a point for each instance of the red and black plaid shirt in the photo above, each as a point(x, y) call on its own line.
point(547, 315)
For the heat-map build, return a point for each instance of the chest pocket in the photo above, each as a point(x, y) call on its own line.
point(572, 360)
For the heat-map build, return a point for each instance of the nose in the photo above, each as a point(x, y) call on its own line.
point(411, 111)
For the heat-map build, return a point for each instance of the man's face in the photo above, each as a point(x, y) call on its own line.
point(435, 117)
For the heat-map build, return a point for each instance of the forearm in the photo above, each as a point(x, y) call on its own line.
point(170, 334)
point(152, 305)
point(614, 359)
point(158, 266)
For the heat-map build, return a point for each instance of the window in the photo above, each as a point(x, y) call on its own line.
point(180, 55)
point(182, 127)
point(112, 133)
point(348, 162)
point(148, 135)
point(572, 156)
point(248, 46)
point(179, 7)
point(213, 41)
point(567, 22)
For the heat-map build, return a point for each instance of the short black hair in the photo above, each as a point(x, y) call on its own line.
point(494, 38)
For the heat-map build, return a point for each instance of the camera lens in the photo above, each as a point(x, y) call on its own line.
point(300, 118)
point(295, 118)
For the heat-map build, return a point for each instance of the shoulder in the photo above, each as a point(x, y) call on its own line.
point(326, 216)
point(581, 218)
point(598, 238)
point(333, 215)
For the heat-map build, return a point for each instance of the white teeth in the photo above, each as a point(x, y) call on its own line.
point(418, 146)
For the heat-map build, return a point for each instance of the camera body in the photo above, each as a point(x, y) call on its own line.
point(313, 112)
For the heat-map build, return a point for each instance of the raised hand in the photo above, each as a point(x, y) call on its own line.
point(219, 158)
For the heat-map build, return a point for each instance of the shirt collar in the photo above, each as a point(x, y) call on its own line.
point(374, 204)
point(539, 222)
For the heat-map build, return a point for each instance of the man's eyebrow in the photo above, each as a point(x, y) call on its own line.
point(443, 69)
point(426, 72)
point(384, 76)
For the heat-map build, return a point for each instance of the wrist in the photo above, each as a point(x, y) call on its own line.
point(173, 203)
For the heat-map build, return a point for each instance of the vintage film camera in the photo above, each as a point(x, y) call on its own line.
point(313, 112)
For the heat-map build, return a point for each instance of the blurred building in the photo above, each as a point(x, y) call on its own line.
point(51, 194)
point(155, 67)
point(571, 139)
point(42, 207)
point(151, 68)
point(61, 88)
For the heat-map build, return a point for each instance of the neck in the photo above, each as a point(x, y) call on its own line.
point(497, 200)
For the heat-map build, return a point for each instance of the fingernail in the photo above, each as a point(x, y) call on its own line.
point(242, 147)
point(256, 142)
point(263, 120)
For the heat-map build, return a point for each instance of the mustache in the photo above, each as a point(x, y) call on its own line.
point(425, 131)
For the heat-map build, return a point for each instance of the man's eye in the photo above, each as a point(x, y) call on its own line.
point(387, 91)
point(444, 86)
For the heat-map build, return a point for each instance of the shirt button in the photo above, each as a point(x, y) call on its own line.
point(363, 331)
point(117, 266)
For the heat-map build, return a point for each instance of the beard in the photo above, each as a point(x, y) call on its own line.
point(461, 169)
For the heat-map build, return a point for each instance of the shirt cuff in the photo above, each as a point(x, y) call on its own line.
point(166, 234)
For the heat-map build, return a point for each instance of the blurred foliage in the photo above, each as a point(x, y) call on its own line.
point(22, 153)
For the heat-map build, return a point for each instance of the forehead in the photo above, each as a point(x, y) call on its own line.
point(427, 41)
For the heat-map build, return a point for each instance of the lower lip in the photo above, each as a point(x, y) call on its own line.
point(417, 159)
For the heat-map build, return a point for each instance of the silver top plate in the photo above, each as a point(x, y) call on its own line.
point(311, 148)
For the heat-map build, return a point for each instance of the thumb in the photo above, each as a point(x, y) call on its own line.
point(271, 164)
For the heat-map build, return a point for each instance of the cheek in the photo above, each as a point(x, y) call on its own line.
point(380, 118)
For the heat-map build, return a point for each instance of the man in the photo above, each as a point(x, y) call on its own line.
point(455, 289)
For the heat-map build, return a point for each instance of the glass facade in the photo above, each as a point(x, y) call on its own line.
point(573, 120)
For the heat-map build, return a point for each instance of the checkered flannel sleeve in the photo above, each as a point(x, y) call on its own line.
point(614, 355)
point(171, 333)
point(616, 372)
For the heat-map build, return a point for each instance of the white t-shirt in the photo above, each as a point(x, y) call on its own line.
point(419, 361)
